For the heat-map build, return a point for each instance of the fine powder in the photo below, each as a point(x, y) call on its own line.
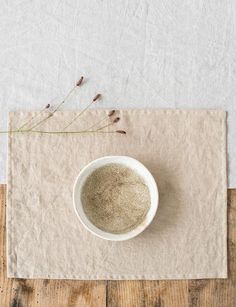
point(115, 198)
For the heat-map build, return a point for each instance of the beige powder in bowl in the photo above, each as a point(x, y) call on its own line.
point(115, 198)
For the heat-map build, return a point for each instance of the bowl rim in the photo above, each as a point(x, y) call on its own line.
point(150, 183)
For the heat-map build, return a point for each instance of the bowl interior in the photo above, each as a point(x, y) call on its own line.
point(138, 168)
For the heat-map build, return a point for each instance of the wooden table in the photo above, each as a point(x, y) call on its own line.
point(56, 293)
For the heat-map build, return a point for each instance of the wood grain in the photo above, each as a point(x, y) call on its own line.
point(60, 293)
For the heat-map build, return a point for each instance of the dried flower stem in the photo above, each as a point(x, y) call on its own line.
point(64, 100)
point(55, 110)
point(80, 81)
point(109, 115)
point(33, 118)
point(98, 96)
point(55, 132)
point(71, 132)
point(77, 116)
point(108, 125)
point(88, 130)
point(41, 121)
point(60, 104)
point(120, 131)
point(98, 123)
point(82, 112)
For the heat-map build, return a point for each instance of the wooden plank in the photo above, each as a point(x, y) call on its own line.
point(194, 293)
point(174, 293)
point(133, 293)
point(37, 292)
point(125, 294)
point(147, 293)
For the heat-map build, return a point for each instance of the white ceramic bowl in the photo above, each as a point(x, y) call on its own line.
point(131, 163)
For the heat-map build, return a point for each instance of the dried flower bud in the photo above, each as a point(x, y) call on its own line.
point(121, 131)
point(98, 96)
point(47, 106)
point(116, 120)
point(80, 81)
point(112, 112)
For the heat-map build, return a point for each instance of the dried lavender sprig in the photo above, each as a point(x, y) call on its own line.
point(71, 132)
point(109, 115)
point(60, 104)
point(78, 83)
point(41, 121)
point(98, 96)
point(116, 120)
point(108, 125)
point(60, 132)
point(33, 118)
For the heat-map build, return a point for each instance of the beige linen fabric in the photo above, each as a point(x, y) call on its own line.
point(186, 153)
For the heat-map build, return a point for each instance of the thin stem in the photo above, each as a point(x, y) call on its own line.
point(64, 100)
point(61, 132)
point(108, 125)
point(77, 116)
point(58, 106)
point(99, 122)
point(31, 119)
point(13, 131)
point(54, 132)
point(70, 132)
point(97, 97)
point(41, 121)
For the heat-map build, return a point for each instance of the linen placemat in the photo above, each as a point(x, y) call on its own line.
point(186, 153)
